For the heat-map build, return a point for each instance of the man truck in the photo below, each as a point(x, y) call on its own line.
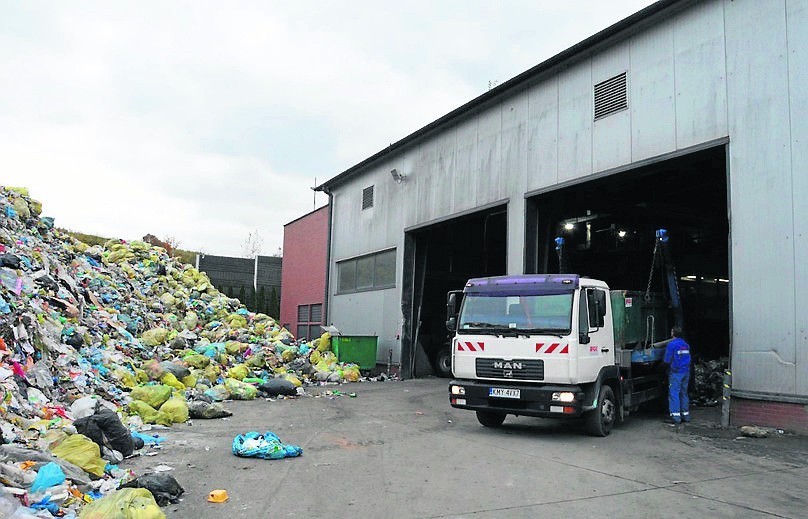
point(555, 345)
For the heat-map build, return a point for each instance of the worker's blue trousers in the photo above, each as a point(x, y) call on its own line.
point(678, 401)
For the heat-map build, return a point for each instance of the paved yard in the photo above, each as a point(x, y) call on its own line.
point(399, 450)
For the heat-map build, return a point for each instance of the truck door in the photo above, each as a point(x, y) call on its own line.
point(596, 347)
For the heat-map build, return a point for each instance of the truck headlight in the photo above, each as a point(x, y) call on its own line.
point(458, 390)
point(564, 396)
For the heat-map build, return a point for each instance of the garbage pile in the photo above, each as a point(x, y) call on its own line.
point(96, 342)
point(708, 381)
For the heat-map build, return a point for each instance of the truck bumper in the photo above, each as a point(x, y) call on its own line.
point(531, 399)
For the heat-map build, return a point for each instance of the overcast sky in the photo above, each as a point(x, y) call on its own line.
point(206, 121)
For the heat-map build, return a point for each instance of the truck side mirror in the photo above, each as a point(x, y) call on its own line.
point(451, 304)
point(451, 324)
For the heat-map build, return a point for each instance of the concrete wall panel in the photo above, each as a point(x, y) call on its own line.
point(611, 136)
point(489, 155)
point(651, 93)
point(542, 138)
point(465, 175)
point(763, 338)
point(797, 16)
point(701, 102)
point(575, 122)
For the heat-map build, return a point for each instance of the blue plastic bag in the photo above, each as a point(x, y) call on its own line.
point(48, 476)
point(148, 440)
point(265, 446)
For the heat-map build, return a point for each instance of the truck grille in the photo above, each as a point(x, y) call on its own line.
point(529, 369)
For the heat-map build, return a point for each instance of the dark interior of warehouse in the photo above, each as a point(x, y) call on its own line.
point(609, 228)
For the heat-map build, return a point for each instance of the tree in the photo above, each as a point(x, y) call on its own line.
point(252, 245)
point(242, 294)
point(274, 307)
point(262, 306)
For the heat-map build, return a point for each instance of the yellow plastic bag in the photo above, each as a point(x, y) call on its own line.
point(125, 378)
point(152, 395)
point(82, 451)
point(148, 413)
point(127, 503)
point(238, 372)
point(176, 409)
point(170, 379)
point(155, 336)
point(197, 361)
point(189, 381)
point(239, 390)
point(324, 342)
point(351, 373)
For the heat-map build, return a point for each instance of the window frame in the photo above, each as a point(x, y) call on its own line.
point(375, 284)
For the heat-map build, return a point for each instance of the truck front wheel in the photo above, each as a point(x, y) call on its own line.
point(443, 362)
point(599, 421)
point(490, 419)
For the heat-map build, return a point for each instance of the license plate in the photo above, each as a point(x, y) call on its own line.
point(501, 392)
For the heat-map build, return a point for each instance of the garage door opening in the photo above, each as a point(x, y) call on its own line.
point(609, 229)
point(440, 258)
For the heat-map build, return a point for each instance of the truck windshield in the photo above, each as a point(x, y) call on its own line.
point(498, 313)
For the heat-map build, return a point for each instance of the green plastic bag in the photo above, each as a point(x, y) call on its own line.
point(239, 390)
point(127, 503)
point(148, 413)
point(152, 395)
point(82, 451)
point(176, 409)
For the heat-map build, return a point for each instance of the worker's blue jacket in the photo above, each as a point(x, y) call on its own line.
point(677, 354)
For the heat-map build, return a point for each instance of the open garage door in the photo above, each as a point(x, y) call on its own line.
point(440, 258)
point(609, 228)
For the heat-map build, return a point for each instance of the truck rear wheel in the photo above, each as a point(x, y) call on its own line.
point(443, 362)
point(599, 421)
point(490, 418)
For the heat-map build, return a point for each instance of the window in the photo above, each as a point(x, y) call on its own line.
point(309, 319)
point(370, 272)
point(367, 198)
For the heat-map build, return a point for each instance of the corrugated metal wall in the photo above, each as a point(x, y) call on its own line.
point(719, 69)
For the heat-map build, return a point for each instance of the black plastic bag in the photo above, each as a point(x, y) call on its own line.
point(278, 386)
point(163, 487)
point(9, 260)
point(175, 369)
point(199, 409)
point(105, 428)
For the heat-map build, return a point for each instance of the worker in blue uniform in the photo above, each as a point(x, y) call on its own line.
point(677, 356)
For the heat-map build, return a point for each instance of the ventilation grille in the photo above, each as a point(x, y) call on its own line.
point(367, 197)
point(610, 96)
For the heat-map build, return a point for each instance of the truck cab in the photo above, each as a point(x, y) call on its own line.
point(538, 345)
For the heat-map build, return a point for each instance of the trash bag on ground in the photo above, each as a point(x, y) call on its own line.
point(105, 429)
point(127, 503)
point(152, 395)
point(238, 372)
point(155, 336)
point(264, 446)
point(176, 409)
point(148, 413)
point(19, 453)
point(164, 487)
point(278, 386)
point(47, 476)
point(83, 452)
point(175, 369)
point(208, 410)
point(169, 379)
point(239, 390)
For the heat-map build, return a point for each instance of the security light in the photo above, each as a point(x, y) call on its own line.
point(621, 234)
point(398, 177)
point(569, 226)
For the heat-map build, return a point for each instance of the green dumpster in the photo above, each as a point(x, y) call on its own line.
point(357, 349)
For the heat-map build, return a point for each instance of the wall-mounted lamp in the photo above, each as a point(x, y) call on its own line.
point(398, 177)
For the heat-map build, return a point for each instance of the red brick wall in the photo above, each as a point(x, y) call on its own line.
point(305, 243)
point(790, 417)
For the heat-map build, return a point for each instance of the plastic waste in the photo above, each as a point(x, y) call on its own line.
point(148, 413)
point(48, 476)
point(155, 396)
point(218, 496)
point(264, 446)
point(82, 451)
point(176, 409)
point(127, 503)
point(106, 429)
point(239, 390)
point(278, 386)
point(164, 487)
point(208, 410)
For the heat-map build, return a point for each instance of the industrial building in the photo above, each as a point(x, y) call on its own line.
point(688, 115)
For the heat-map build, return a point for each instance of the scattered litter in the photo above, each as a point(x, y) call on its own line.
point(264, 446)
point(218, 496)
point(753, 431)
point(162, 468)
